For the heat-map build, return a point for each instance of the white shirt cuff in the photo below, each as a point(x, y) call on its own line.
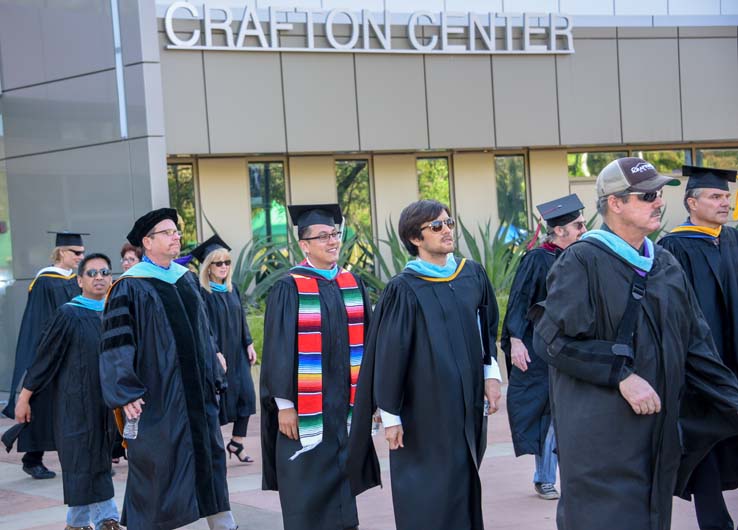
point(389, 419)
point(284, 403)
point(492, 371)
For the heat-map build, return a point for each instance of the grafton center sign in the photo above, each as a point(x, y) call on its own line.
point(191, 26)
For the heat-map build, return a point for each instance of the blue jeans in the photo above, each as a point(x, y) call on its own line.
point(547, 462)
point(97, 512)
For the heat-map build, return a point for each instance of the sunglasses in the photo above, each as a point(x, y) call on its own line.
point(437, 226)
point(91, 273)
point(647, 196)
point(76, 252)
point(227, 263)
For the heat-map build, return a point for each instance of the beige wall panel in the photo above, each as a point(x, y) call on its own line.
point(395, 186)
point(320, 102)
point(549, 178)
point(392, 103)
point(225, 200)
point(312, 180)
point(589, 100)
point(459, 102)
point(525, 101)
point(185, 122)
point(244, 98)
point(709, 79)
point(476, 192)
point(587, 192)
point(675, 212)
point(651, 108)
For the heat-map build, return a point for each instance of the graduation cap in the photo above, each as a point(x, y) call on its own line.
point(707, 177)
point(561, 211)
point(69, 239)
point(145, 223)
point(305, 215)
point(202, 250)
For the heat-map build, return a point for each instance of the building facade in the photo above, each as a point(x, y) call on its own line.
point(111, 107)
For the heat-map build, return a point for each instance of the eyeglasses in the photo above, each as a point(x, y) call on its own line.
point(647, 196)
point(129, 260)
point(324, 238)
point(437, 226)
point(579, 224)
point(76, 252)
point(169, 232)
point(227, 263)
point(91, 273)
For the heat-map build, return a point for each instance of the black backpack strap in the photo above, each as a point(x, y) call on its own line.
point(626, 328)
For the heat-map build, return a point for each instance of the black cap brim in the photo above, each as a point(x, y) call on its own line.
point(145, 223)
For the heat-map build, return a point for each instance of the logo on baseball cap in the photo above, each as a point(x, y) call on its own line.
point(631, 174)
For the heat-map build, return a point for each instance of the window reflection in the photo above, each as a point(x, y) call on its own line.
point(512, 200)
point(268, 204)
point(354, 195)
point(666, 161)
point(182, 197)
point(433, 179)
point(589, 165)
point(718, 158)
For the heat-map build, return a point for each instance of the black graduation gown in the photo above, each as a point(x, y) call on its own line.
point(313, 489)
point(425, 362)
point(712, 269)
point(66, 365)
point(47, 292)
point(619, 469)
point(528, 408)
point(157, 346)
point(232, 336)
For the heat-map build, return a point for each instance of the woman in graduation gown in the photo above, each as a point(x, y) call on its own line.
point(232, 337)
point(52, 287)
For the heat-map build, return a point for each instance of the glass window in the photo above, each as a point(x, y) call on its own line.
point(354, 195)
point(718, 158)
point(433, 179)
point(268, 203)
point(589, 165)
point(182, 197)
point(512, 200)
point(6, 249)
point(669, 161)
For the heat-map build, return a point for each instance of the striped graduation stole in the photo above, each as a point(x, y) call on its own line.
point(309, 351)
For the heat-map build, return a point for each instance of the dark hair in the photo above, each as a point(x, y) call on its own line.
point(89, 257)
point(413, 216)
point(302, 232)
point(127, 247)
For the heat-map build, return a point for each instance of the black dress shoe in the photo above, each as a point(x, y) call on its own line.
point(39, 471)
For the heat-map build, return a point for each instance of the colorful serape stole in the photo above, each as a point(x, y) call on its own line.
point(687, 229)
point(310, 348)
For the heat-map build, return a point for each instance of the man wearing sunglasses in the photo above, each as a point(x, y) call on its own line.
point(528, 408)
point(708, 251)
point(52, 287)
point(158, 365)
point(429, 366)
point(67, 366)
point(313, 347)
point(628, 346)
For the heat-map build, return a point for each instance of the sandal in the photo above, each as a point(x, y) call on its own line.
point(235, 448)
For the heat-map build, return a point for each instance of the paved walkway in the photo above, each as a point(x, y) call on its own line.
point(509, 501)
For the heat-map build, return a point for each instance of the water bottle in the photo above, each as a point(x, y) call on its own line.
point(130, 431)
point(376, 422)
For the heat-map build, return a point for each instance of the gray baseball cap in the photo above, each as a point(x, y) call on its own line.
point(631, 174)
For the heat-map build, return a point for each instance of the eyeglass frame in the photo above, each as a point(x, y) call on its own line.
point(325, 238)
point(170, 232)
point(75, 252)
point(220, 263)
point(93, 273)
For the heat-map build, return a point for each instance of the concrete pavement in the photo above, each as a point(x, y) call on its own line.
point(509, 500)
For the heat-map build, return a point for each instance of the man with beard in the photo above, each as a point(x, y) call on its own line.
point(67, 365)
point(625, 337)
point(313, 347)
point(708, 251)
point(428, 367)
point(528, 407)
point(158, 363)
point(52, 287)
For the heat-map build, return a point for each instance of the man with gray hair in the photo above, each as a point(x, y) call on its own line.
point(626, 340)
point(707, 249)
